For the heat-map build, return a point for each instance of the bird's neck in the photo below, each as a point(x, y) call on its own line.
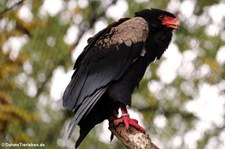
point(158, 42)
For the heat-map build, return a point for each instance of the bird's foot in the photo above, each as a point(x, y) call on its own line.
point(125, 118)
point(128, 122)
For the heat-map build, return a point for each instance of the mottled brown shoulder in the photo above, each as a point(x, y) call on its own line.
point(129, 32)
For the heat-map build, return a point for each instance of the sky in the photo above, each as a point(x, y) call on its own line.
point(208, 105)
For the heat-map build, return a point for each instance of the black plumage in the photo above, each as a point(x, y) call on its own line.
point(112, 65)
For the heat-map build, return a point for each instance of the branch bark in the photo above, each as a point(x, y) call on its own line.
point(131, 138)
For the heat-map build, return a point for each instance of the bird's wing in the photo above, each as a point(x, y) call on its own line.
point(104, 60)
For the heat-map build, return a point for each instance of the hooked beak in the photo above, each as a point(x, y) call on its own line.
point(171, 22)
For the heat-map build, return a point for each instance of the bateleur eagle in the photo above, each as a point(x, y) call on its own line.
point(111, 67)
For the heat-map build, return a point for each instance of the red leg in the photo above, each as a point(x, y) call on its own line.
point(125, 118)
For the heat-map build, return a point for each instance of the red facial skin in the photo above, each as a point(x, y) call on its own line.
point(170, 22)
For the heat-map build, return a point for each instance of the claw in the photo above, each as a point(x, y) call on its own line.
point(125, 118)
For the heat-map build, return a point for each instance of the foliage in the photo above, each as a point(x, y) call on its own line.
point(35, 45)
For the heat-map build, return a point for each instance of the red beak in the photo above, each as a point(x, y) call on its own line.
point(171, 22)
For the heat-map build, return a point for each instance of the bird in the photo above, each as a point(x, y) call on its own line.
point(111, 67)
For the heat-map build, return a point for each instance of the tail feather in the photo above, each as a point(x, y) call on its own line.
point(83, 133)
point(99, 112)
point(84, 109)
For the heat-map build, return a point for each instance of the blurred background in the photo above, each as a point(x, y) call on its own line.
point(180, 101)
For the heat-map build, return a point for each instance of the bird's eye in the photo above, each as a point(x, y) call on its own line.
point(161, 16)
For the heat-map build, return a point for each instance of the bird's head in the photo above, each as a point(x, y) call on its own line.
point(157, 18)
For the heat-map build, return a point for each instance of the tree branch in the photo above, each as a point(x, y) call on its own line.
point(131, 138)
point(11, 7)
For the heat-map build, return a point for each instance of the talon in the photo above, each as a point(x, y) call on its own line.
point(125, 118)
